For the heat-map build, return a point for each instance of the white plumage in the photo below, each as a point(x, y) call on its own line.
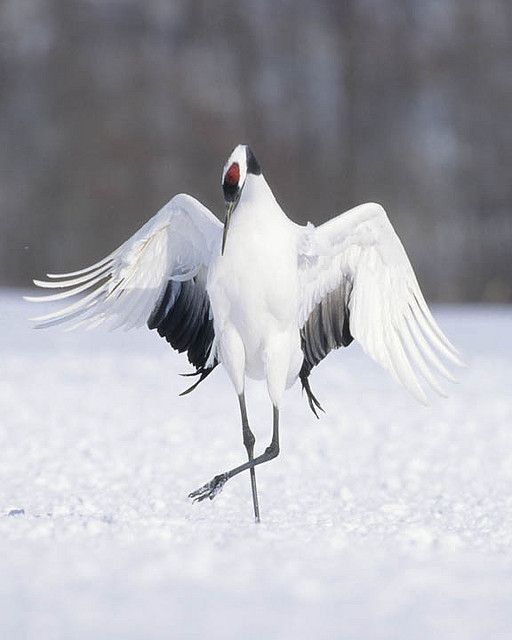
point(360, 252)
point(271, 302)
point(179, 241)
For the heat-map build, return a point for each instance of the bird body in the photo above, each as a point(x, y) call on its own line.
point(253, 288)
point(263, 296)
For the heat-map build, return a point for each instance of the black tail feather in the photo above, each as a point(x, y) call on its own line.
point(314, 404)
point(202, 373)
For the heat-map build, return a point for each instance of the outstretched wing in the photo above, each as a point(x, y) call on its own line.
point(357, 283)
point(157, 277)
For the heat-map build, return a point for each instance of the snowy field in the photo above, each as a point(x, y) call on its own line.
point(384, 519)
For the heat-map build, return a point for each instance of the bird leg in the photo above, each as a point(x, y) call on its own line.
point(249, 440)
point(215, 486)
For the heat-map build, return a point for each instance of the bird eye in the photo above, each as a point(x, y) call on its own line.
point(232, 176)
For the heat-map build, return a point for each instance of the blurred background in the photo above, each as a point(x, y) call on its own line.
point(110, 107)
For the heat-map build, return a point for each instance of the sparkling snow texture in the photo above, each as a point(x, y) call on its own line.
point(384, 519)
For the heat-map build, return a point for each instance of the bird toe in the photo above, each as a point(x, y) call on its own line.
point(210, 489)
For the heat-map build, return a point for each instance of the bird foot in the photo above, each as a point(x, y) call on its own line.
point(210, 489)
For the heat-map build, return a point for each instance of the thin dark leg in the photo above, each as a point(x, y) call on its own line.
point(212, 488)
point(249, 440)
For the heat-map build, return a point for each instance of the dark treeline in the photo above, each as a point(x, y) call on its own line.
point(110, 107)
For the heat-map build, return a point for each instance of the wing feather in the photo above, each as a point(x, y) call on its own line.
point(62, 284)
point(124, 288)
point(157, 277)
point(92, 267)
point(355, 273)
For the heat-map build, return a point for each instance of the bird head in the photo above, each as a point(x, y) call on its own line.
point(240, 163)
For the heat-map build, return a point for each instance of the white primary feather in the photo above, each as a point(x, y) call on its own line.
point(360, 253)
point(124, 288)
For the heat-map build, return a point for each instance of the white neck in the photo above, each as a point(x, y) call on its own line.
point(257, 197)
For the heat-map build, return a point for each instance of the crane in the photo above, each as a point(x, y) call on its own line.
point(264, 297)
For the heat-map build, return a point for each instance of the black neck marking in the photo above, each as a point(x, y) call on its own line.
point(253, 166)
point(231, 192)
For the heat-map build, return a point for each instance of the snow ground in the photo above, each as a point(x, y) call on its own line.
point(384, 519)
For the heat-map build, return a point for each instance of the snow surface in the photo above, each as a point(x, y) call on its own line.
point(384, 519)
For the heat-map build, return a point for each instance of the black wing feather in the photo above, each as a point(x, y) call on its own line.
point(327, 328)
point(183, 317)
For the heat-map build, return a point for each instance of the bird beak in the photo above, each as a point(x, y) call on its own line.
point(229, 210)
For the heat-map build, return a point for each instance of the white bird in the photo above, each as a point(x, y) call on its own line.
point(263, 296)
